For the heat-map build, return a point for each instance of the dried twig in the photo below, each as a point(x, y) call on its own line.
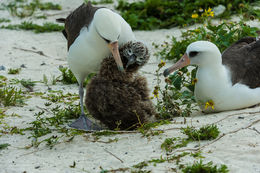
point(241, 113)
point(33, 51)
point(255, 130)
point(114, 156)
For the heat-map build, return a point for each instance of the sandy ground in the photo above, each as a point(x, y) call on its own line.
point(238, 145)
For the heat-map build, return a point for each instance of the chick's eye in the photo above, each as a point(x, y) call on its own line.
point(193, 53)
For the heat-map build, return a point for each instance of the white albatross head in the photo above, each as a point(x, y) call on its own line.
point(108, 28)
point(200, 53)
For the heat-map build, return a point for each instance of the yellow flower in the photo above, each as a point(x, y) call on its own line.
point(194, 16)
point(209, 103)
point(156, 92)
point(208, 12)
point(197, 30)
point(194, 81)
point(161, 64)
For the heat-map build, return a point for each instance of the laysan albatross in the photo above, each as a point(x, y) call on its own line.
point(92, 34)
point(228, 81)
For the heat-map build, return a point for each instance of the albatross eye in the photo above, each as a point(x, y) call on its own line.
point(193, 53)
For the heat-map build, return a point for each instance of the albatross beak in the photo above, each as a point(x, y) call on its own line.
point(184, 61)
point(114, 49)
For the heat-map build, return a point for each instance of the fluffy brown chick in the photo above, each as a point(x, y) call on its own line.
point(121, 100)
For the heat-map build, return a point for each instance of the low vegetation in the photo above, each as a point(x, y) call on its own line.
point(208, 132)
point(11, 96)
point(46, 27)
point(199, 167)
point(155, 14)
point(14, 70)
point(25, 8)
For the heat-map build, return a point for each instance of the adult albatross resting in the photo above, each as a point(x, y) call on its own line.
point(92, 34)
point(227, 83)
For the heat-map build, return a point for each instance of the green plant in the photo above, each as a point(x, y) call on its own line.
point(3, 81)
point(170, 144)
point(154, 14)
point(199, 167)
point(23, 8)
point(11, 96)
point(29, 84)
point(46, 27)
point(69, 78)
point(14, 70)
point(4, 146)
point(2, 20)
point(101, 2)
point(44, 125)
point(59, 96)
point(146, 128)
point(173, 100)
point(207, 132)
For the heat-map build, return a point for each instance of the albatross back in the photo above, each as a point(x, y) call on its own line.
point(243, 60)
point(80, 17)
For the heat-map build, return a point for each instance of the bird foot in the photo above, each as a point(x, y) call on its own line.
point(83, 123)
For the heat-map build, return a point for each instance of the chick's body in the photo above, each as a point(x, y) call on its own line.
point(121, 99)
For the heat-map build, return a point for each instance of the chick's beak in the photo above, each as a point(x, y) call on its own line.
point(184, 61)
point(131, 60)
point(115, 52)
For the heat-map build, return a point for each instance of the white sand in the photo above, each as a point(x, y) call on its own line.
point(239, 148)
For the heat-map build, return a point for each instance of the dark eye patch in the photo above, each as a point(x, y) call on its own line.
point(193, 53)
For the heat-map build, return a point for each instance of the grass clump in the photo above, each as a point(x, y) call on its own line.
point(23, 8)
point(14, 70)
point(101, 2)
point(29, 84)
point(44, 125)
point(3, 81)
point(59, 96)
point(3, 20)
point(46, 27)
point(207, 132)
point(11, 96)
point(67, 77)
point(105, 133)
point(199, 167)
point(155, 14)
point(4, 146)
point(146, 128)
point(170, 144)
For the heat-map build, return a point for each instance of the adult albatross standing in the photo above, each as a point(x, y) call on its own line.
point(231, 82)
point(92, 34)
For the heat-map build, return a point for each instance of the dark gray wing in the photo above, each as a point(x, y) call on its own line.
point(82, 16)
point(243, 60)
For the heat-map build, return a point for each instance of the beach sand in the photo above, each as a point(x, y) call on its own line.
point(238, 145)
